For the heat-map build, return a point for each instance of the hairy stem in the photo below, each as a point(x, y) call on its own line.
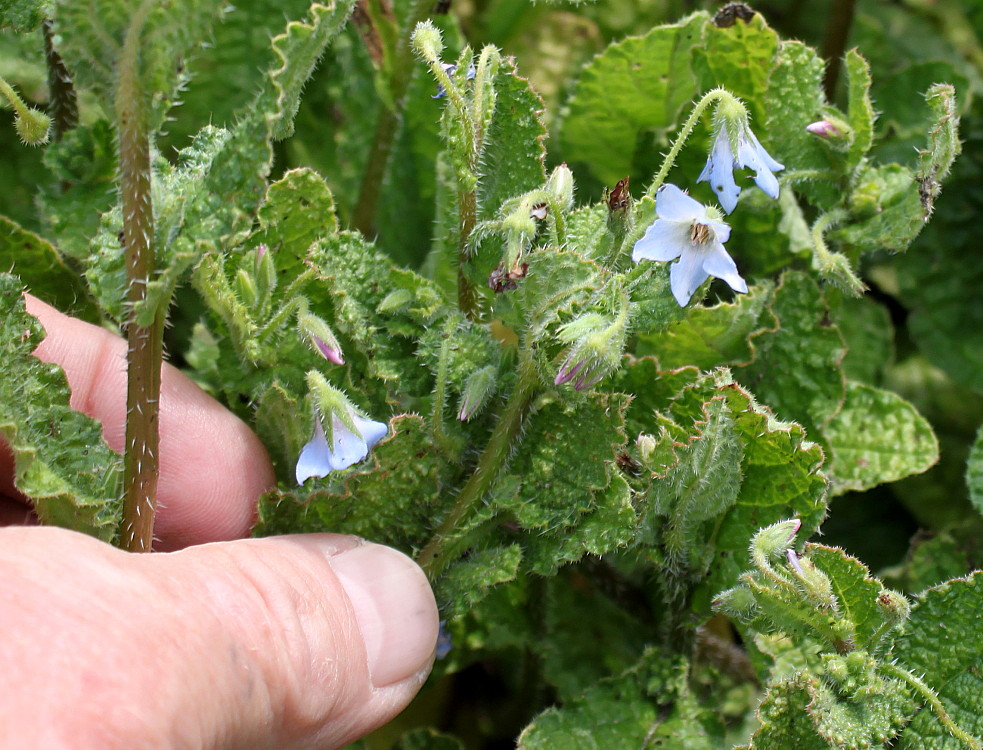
point(442, 549)
point(440, 391)
point(64, 108)
point(363, 218)
point(467, 294)
point(145, 348)
point(684, 134)
point(934, 703)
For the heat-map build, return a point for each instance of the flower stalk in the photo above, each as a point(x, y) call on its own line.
point(145, 344)
point(443, 549)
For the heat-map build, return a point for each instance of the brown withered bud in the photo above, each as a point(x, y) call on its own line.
point(728, 15)
point(501, 280)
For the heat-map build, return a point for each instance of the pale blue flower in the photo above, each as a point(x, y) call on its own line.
point(685, 230)
point(347, 447)
point(722, 161)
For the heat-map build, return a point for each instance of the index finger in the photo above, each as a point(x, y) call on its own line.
point(212, 467)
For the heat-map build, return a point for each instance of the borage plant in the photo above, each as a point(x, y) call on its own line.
point(546, 399)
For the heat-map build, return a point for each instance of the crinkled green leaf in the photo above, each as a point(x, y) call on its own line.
point(61, 461)
point(934, 560)
point(635, 87)
point(796, 368)
point(865, 325)
point(469, 581)
point(738, 57)
point(802, 712)
point(886, 208)
point(558, 478)
point(629, 710)
point(942, 642)
point(392, 497)
point(877, 437)
point(42, 270)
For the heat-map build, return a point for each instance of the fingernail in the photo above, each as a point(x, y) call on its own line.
point(395, 609)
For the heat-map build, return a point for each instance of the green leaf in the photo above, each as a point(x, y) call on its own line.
point(802, 712)
point(796, 369)
point(636, 86)
point(886, 210)
point(712, 336)
point(934, 560)
point(23, 15)
point(512, 161)
point(856, 592)
point(61, 461)
point(738, 57)
point(943, 144)
point(428, 739)
point(974, 472)
point(42, 270)
point(639, 707)
point(942, 642)
point(468, 582)
point(877, 437)
point(298, 209)
point(860, 110)
point(865, 325)
point(556, 282)
point(391, 498)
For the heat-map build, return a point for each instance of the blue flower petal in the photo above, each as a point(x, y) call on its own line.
point(315, 458)
point(347, 448)
point(673, 204)
point(664, 240)
point(718, 263)
point(719, 172)
point(686, 275)
point(372, 432)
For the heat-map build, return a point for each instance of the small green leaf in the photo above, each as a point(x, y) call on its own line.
point(61, 461)
point(469, 581)
point(860, 110)
point(877, 437)
point(856, 592)
point(943, 144)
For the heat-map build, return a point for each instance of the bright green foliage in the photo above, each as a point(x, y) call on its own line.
point(942, 642)
point(42, 269)
point(636, 86)
point(974, 472)
point(60, 458)
point(877, 437)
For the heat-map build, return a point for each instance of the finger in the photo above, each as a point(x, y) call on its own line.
point(288, 642)
point(212, 467)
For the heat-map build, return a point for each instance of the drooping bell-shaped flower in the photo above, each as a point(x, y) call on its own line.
point(735, 146)
point(688, 230)
point(342, 435)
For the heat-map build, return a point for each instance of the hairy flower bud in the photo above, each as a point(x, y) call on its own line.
point(320, 337)
point(33, 127)
point(894, 606)
point(560, 186)
point(477, 390)
point(772, 541)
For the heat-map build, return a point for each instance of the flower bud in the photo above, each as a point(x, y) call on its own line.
point(772, 541)
point(477, 390)
point(427, 41)
point(598, 344)
point(811, 580)
point(737, 603)
point(32, 126)
point(894, 606)
point(246, 289)
point(560, 186)
point(829, 129)
point(320, 337)
point(646, 446)
point(620, 203)
point(265, 272)
point(395, 301)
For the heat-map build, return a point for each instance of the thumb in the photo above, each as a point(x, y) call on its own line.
point(287, 642)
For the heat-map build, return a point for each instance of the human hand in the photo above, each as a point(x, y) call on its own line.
point(287, 642)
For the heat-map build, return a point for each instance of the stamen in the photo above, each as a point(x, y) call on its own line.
point(699, 234)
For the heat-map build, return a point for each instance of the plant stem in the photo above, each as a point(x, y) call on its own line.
point(440, 550)
point(363, 217)
point(834, 45)
point(467, 295)
point(684, 134)
point(933, 701)
point(145, 347)
point(64, 107)
point(440, 435)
